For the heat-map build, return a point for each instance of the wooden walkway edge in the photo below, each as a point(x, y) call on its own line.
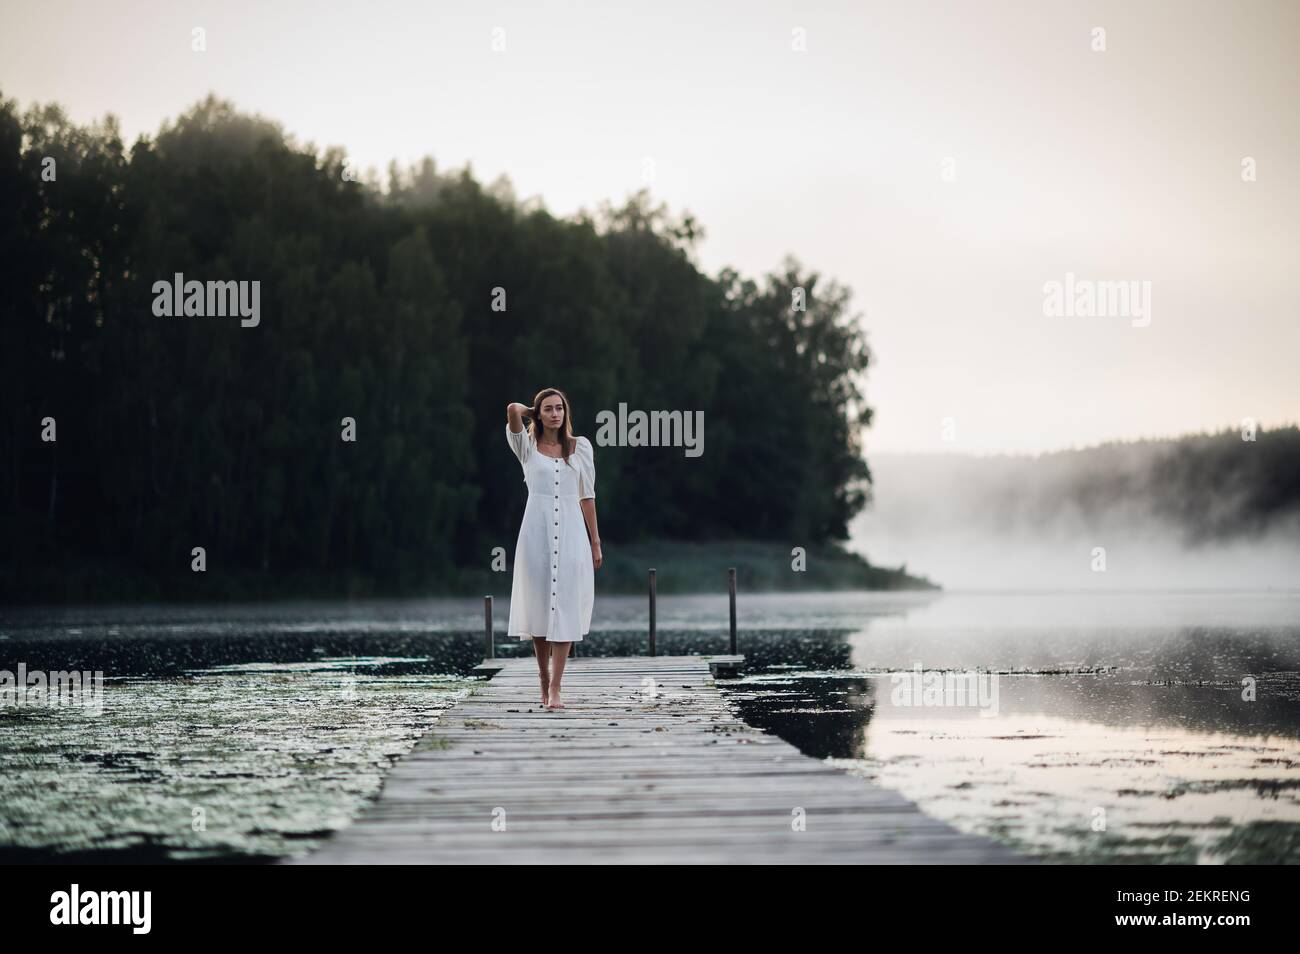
point(646, 764)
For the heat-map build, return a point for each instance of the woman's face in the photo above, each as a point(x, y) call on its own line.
point(552, 412)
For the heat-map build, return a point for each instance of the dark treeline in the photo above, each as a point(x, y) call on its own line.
point(1197, 490)
point(1208, 488)
point(180, 432)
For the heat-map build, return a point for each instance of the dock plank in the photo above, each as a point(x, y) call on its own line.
point(647, 764)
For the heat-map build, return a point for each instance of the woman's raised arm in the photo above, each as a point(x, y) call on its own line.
point(515, 415)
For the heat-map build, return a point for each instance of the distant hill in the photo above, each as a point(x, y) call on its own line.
point(1198, 509)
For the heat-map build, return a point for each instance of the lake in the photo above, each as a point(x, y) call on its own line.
point(1107, 727)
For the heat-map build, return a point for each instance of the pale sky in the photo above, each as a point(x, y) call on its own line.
point(1117, 165)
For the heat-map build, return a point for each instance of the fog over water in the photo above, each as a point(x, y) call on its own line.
point(970, 522)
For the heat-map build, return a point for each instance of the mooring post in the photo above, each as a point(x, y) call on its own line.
point(731, 595)
point(652, 611)
point(489, 644)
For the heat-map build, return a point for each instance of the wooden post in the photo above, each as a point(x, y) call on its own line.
point(652, 611)
point(489, 643)
point(731, 594)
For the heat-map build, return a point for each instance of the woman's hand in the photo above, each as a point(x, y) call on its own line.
point(517, 415)
point(596, 557)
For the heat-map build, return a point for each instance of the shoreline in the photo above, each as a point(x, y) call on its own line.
point(683, 567)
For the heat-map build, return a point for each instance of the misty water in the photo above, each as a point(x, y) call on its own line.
point(1109, 727)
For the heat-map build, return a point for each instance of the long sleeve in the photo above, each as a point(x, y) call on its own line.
point(586, 470)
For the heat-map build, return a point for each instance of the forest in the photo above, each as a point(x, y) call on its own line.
point(129, 437)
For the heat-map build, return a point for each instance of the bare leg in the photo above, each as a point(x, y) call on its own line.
point(559, 653)
point(543, 651)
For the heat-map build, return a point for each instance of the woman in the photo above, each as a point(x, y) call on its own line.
point(554, 582)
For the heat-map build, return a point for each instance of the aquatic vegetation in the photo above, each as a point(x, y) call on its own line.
point(239, 761)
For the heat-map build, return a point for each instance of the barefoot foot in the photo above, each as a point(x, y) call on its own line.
point(546, 687)
point(554, 702)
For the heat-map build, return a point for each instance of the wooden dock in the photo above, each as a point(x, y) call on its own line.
point(646, 764)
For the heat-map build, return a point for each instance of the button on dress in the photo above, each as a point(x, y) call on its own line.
point(554, 583)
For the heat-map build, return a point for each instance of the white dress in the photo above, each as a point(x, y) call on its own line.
point(554, 583)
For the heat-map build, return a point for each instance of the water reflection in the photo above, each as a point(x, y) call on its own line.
point(1122, 731)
